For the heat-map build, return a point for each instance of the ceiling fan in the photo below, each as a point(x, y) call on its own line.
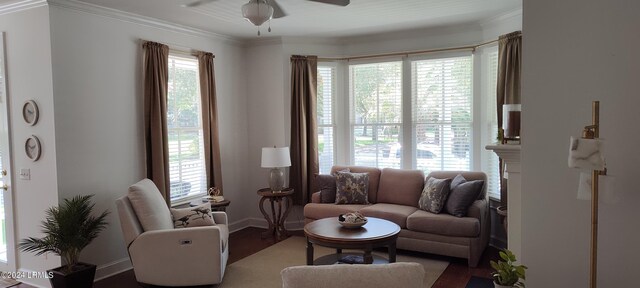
point(260, 11)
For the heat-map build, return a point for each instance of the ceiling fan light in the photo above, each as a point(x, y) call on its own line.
point(257, 12)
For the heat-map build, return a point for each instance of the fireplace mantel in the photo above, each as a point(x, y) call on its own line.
point(510, 154)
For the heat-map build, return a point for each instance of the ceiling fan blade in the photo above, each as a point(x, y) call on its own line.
point(334, 2)
point(277, 10)
point(197, 3)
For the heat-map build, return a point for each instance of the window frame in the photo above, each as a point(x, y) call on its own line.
point(351, 107)
point(473, 138)
point(200, 130)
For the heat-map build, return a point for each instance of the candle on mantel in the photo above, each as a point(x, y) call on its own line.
point(511, 117)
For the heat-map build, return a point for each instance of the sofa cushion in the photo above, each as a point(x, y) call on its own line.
point(151, 209)
point(193, 216)
point(463, 194)
point(326, 184)
point(434, 195)
point(352, 188)
point(324, 210)
point(400, 186)
point(395, 213)
point(443, 224)
point(469, 175)
point(374, 178)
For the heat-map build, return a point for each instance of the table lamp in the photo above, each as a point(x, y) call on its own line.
point(276, 158)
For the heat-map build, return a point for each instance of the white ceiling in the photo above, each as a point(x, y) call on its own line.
point(306, 18)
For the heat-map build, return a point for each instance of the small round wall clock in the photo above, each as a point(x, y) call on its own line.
point(32, 148)
point(30, 112)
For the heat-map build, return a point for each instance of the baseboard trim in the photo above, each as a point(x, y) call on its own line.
point(113, 268)
point(35, 282)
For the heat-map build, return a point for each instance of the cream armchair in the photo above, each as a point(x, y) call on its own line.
point(162, 255)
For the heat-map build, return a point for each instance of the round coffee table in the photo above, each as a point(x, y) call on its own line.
point(328, 232)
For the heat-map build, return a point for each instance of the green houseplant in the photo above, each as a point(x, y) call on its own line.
point(68, 229)
point(506, 273)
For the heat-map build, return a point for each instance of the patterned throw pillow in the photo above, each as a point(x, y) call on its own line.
point(192, 216)
point(463, 194)
point(434, 195)
point(352, 188)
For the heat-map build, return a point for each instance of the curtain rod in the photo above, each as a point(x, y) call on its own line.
point(461, 48)
point(178, 49)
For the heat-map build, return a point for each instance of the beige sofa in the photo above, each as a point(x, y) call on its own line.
point(394, 195)
point(406, 275)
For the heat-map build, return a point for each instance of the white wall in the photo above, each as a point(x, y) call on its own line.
point(28, 58)
point(575, 52)
point(99, 130)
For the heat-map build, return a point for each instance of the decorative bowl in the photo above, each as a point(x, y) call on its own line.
point(353, 225)
point(352, 220)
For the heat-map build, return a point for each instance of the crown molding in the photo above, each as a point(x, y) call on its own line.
point(141, 20)
point(21, 6)
point(502, 17)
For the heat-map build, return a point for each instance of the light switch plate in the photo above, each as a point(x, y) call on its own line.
point(25, 174)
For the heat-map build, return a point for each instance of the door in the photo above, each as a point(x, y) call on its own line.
point(7, 245)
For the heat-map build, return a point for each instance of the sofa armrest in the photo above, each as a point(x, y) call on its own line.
point(315, 197)
point(479, 209)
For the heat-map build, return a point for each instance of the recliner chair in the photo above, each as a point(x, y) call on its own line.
point(162, 255)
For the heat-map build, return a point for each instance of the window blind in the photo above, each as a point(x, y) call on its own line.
point(376, 110)
point(325, 118)
point(442, 113)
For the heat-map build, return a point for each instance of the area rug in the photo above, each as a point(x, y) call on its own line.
point(262, 270)
point(8, 282)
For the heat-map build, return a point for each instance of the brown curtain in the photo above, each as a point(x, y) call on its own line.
point(509, 67)
point(210, 120)
point(155, 80)
point(304, 136)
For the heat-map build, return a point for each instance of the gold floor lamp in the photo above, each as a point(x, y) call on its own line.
point(587, 153)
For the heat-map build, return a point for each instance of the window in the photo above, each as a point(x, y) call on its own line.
point(326, 120)
point(184, 122)
point(442, 112)
point(424, 104)
point(376, 94)
point(490, 79)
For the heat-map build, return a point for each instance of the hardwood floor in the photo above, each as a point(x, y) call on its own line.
point(247, 241)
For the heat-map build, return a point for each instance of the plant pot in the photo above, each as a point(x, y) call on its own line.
point(496, 285)
point(502, 211)
point(81, 276)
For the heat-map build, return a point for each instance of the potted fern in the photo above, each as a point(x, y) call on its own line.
point(68, 229)
point(506, 273)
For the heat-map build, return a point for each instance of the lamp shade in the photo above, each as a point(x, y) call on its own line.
point(586, 154)
point(275, 157)
point(257, 12)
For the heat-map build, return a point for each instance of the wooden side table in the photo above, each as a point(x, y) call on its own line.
point(276, 221)
point(215, 206)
